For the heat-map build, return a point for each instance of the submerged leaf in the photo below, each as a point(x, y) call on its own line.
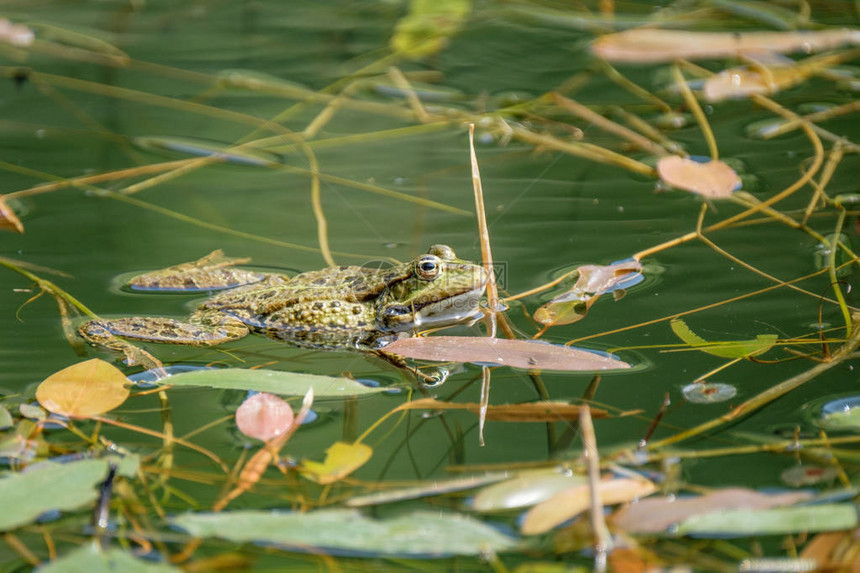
point(527, 354)
point(435, 487)
point(83, 390)
point(273, 381)
point(729, 349)
point(657, 514)
point(650, 45)
point(419, 534)
point(713, 179)
point(90, 559)
point(51, 486)
point(527, 488)
point(777, 521)
point(569, 503)
point(708, 392)
point(427, 27)
point(264, 416)
point(341, 459)
point(526, 412)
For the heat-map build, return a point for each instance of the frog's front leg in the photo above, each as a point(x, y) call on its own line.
point(201, 329)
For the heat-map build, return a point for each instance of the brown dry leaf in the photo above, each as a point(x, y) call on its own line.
point(570, 503)
point(8, 219)
point(341, 459)
point(649, 45)
point(714, 179)
point(656, 515)
point(527, 412)
point(83, 390)
point(634, 560)
point(264, 416)
point(527, 354)
point(824, 545)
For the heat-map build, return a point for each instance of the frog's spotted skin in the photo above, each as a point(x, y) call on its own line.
point(212, 272)
point(342, 307)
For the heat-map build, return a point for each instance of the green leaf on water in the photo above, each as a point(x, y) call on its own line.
point(273, 381)
point(728, 349)
point(88, 559)
point(25, 496)
point(428, 26)
point(418, 534)
point(776, 521)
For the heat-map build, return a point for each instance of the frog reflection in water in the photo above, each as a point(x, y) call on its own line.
point(336, 308)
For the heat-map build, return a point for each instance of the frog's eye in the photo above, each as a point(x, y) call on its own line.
point(428, 267)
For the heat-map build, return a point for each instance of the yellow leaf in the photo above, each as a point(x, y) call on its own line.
point(83, 390)
point(341, 459)
point(570, 503)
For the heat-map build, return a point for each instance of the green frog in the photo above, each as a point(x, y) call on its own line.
point(346, 307)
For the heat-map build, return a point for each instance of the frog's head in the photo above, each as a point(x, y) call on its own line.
point(440, 290)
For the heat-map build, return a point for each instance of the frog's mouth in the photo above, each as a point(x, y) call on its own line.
point(457, 309)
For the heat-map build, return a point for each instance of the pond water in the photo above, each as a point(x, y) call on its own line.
point(214, 73)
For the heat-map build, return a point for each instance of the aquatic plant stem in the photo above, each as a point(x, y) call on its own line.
point(602, 537)
point(696, 109)
point(831, 269)
point(768, 395)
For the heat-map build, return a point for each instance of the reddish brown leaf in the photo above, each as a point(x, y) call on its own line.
point(515, 353)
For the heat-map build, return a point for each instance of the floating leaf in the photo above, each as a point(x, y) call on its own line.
point(83, 390)
point(713, 179)
point(657, 514)
point(841, 414)
point(571, 502)
point(527, 354)
point(418, 534)
point(8, 219)
point(435, 487)
point(25, 496)
point(264, 416)
point(650, 45)
point(799, 476)
point(274, 382)
point(527, 412)
point(427, 27)
point(592, 281)
point(341, 459)
point(731, 349)
point(708, 392)
point(90, 559)
point(526, 489)
point(777, 521)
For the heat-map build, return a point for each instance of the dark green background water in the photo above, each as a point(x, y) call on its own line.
point(547, 211)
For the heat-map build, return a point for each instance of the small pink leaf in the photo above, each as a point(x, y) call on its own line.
point(713, 179)
point(264, 416)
